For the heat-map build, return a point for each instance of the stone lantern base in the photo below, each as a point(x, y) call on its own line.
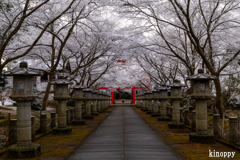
point(95, 113)
point(145, 110)
point(173, 125)
point(78, 122)
point(163, 119)
point(19, 152)
point(88, 116)
point(208, 138)
point(138, 106)
point(61, 131)
point(154, 114)
point(149, 112)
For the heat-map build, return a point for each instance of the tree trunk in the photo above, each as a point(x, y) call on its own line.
point(47, 91)
point(218, 98)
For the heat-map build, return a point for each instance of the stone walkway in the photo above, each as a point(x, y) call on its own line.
point(124, 136)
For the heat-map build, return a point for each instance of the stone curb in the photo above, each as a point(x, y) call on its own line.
point(167, 144)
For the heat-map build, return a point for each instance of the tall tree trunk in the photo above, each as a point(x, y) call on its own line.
point(218, 98)
point(47, 91)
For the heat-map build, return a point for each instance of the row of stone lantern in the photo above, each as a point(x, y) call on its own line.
point(201, 93)
point(23, 94)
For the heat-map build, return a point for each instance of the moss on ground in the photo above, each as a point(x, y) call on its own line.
point(179, 139)
point(61, 145)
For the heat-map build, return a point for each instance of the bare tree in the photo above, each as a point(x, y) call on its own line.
point(205, 23)
point(17, 19)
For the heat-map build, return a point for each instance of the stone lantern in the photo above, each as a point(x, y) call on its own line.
point(61, 95)
point(176, 97)
point(155, 98)
point(143, 101)
point(105, 100)
point(94, 103)
point(163, 96)
point(78, 99)
point(201, 93)
point(99, 103)
point(88, 99)
point(109, 101)
point(139, 98)
point(149, 104)
point(23, 94)
point(145, 104)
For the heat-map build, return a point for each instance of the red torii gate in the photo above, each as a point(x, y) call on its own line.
point(112, 92)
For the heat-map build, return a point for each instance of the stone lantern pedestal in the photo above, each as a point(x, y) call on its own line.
point(109, 101)
point(102, 101)
point(23, 94)
point(176, 97)
point(155, 104)
point(201, 93)
point(106, 101)
point(145, 102)
point(61, 95)
point(99, 103)
point(163, 96)
point(149, 102)
point(141, 101)
point(138, 101)
point(78, 99)
point(88, 99)
point(94, 103)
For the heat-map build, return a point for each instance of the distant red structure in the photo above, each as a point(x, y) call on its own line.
point(121, 61)
point(112, 92)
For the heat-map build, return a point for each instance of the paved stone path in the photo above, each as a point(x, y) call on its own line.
point(124, 136)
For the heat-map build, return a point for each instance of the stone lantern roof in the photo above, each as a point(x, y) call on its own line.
point(23, 92)
point(176, 84)
point(201, 76)
point(22, 70)
point(88, 90)
point(78, 86)
point(94, 94)
point(163, 88)
point(61, 80)
point(148, 92)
